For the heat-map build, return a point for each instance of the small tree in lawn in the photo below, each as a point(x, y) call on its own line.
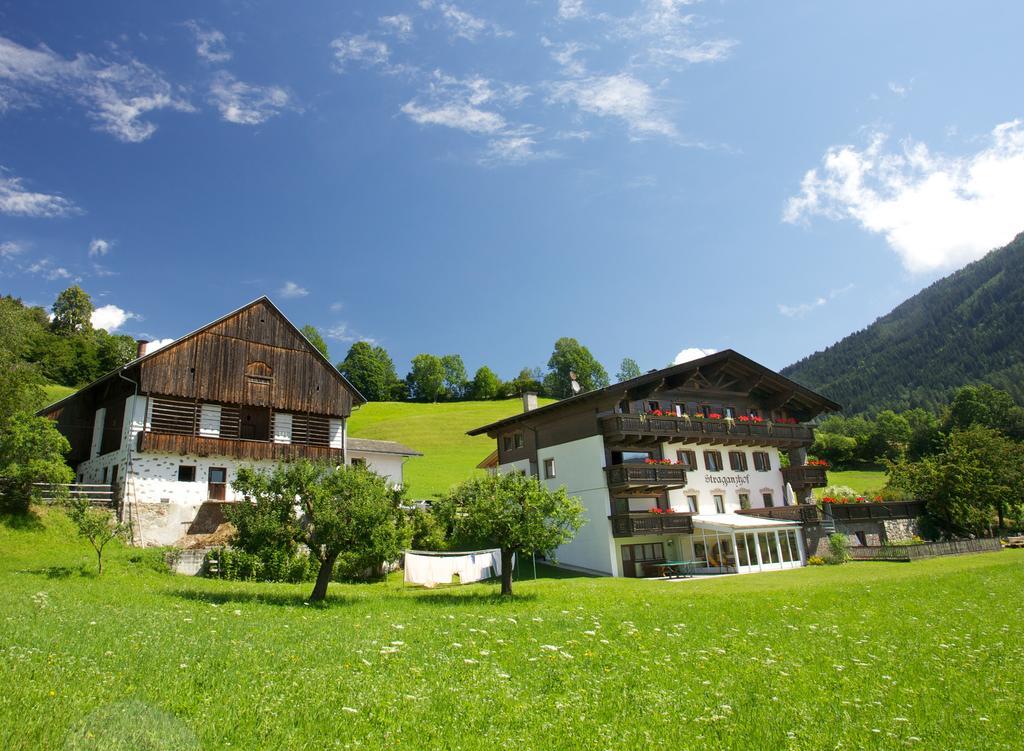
point(512, 512)
point(98, 526)
point(332, 510)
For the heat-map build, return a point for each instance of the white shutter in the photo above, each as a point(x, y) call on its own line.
point(337, 434)
point(97, 432)
point(209, 421)
point(282, 427)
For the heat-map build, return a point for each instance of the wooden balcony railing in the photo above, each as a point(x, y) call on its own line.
point(646, 523)
point(807, 513)
point(872, 511)
point(104, 494)
point(645, 476)
point(801, 478)
point(237, 448)
point(635, 428)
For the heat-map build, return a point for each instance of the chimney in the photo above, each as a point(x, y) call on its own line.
point(140, 347)
point(529, 401)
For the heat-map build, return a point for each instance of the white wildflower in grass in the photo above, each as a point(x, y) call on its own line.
point(469, 661)
point(549, 647)
point(238, 612)
point(350, 710)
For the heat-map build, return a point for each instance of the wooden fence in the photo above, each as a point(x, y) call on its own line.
point(925, 550)
point(97, 494)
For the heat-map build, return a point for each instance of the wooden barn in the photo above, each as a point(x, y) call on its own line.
point(168, 430)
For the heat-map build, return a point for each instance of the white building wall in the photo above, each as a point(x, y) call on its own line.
point(579, 467)
point(385, 465)
point(727, 483)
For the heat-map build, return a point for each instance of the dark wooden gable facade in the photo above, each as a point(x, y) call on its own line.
point(254, 356)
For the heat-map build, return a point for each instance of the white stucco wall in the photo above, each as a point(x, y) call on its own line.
point(727, 483)
point(385, 465)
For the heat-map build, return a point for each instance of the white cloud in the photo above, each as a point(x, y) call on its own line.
point(117, 95)
point(359, 48)
point(620, 96)
point(664, 31)
point(711, 51)
point(47, 270)
point(291, 289)
point(156, 344)
point(692, 353)
point(802, 309)
point(570, 9)
point(341, 332)
point(900, 89)
point(211, 44)
point(400, 25)
point(99, 247)
point(513, 149)
point(17, 201)
point(246, 104)
point(110, 318)
point(464, 24)
point(336, 306)
point(458, 103)
point(935, 211)
point(9, 249)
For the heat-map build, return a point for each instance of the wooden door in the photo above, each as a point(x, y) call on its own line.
point(217, 483)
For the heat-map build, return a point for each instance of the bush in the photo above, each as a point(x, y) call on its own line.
point(267, 566)
point(837, 546)
point(815, 560)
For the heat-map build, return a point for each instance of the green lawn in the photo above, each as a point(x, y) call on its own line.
point(439, 432)
point(865, 656)
point(862, 481)
point(54, 392)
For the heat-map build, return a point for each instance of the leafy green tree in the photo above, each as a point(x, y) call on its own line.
point(311, 333)
point(370, 369)
point(527, 381)
point(837, 450)
point(72, 312)
point(925, 433)
point(31, 451)
point(112, 351)
point(455, 380)
point(571, 356)
point(426, 379)
point(513, 512)
point(628, 369)
point(426, 531)
point(987, 406)
point(98, 526)
point(346, 511)
point(888, 438)
point(485, 385)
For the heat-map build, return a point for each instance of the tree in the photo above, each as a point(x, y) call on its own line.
point(369, 368)
point(31, 451)
point(455, 380)
point(985, 405)
point(333, 511)
point(113, 351)
point(837, 450)
point(426, 379)
point(571, 356)
point(98, 526)
point(72, 312)
point(485, 385)
point(888, 438)
point(925, 433)
point(311, 333)
point(512, 512)
point(527, 380)
point(628, 369)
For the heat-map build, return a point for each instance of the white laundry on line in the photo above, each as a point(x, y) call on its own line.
point(428, 568)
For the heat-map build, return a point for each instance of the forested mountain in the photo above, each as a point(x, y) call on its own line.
point(965, 328)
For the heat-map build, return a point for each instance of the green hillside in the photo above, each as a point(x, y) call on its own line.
point(965, 328)
point(54, 392)
point(439, 432)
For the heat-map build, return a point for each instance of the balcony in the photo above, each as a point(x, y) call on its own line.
point(237, 448)
point(807, 513)
point(873, 510)
point(801, 478)
point(646, 523)
point(643, 477)
point(639, 429)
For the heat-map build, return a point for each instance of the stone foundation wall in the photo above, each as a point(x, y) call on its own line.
point(875, 533)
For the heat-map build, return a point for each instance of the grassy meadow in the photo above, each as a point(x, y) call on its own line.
point(866, 481)
point(864, 656)
point(439, 432)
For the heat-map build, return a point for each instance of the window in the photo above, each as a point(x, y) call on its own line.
point(623, 407)
point(680, 409)
point(729, 412)
point(704, 409)
point(688, 459)
point(187, 473)
point(549, 469)
point(255, 423)
point(635, 556)
point(713, 461)
point(744, 500)
point(692, 502)
point(631, 457)
point(719, 504)
point(753, 413)
point(508, 442)
point(738, 461)
point(768, 500)
point(762, 461)
point(518, 438)
point(217, 483)
point(104, 475)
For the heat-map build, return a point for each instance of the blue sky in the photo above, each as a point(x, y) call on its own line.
point(484, 178)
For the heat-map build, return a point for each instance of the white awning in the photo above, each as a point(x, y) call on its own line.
point(733, 522)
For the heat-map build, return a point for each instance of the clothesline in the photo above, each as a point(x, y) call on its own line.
point(453, 552)
point(429, 568)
